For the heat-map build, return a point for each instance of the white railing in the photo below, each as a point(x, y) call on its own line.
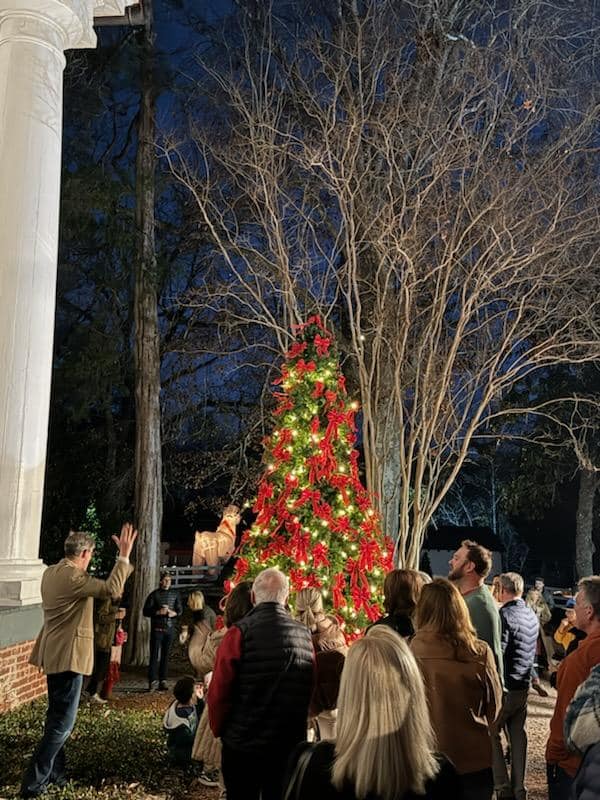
point(190, 577)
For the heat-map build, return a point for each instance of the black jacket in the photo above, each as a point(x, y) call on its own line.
point(586, 785)
point(316, 780)
point(520, 628)
point(274, 680)
point(401, 623)
point(153, 604)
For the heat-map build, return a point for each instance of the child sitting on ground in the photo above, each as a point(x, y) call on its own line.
point(181, 720)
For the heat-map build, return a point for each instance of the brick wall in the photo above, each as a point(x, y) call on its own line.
point(19, 681)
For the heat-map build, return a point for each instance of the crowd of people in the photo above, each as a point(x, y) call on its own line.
point(430, 702)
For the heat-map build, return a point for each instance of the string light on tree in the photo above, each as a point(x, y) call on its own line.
point(315, 520)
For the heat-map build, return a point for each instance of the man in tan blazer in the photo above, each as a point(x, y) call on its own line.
point(65, 646)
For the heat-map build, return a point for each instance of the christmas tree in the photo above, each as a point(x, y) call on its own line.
point(314, 518)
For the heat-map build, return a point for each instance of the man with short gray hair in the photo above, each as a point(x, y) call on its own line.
point(65, 646)
point(270, 586)
point(561, 763)
point(260, 691)
point(520, 629)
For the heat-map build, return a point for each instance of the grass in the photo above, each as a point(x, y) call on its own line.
point(112, 753)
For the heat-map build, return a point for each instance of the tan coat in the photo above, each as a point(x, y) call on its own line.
point(206, 748)
point(66, 641)
point(197, 641)
point(464, 695)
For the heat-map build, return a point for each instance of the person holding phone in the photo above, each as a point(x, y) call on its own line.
point(162, 606)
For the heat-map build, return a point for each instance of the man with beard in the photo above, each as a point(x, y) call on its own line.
point(469, 567)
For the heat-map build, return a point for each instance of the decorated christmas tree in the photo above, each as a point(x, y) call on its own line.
point(314, 518)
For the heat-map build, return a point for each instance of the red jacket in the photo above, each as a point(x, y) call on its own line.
point(220, 691)
point(573, 671)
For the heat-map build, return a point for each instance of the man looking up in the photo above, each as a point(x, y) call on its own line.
point(519, 639)
point(260, 690)
point(65, 646)
point(561, 764)
point(469, 567)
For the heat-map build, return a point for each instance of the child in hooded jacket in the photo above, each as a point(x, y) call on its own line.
point(181, 721)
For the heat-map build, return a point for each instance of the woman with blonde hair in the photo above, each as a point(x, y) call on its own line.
point(330, 653)
point(195, 636)
point(385, 748)
point(462, 685)
point(308, 605)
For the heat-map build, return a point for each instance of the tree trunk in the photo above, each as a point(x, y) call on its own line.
point(148, 457)
point(584, 544)
point(386, 470)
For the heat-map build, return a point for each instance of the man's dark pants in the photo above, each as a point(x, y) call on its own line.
point(160, 644)
point(559, 783)
point(47, 764)
point(246, 775)
point(512, 720)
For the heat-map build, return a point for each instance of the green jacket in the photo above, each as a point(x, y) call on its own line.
point(486, 621)
point(105, 623)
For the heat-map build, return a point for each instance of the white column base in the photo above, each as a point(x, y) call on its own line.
point(20, 582)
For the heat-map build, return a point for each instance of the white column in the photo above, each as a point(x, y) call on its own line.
point(33, 36)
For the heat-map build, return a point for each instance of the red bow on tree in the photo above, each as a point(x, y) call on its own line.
point(322, 344)
point(303, 366)
point(296, 349)
point(337, 590)
point(369, 553)
point(319, 555)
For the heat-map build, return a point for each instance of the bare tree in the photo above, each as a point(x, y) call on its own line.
point(424, 177)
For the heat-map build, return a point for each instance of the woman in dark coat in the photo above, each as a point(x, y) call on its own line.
point(401, 590)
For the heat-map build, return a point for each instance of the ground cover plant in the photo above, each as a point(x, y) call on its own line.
point(116, 751)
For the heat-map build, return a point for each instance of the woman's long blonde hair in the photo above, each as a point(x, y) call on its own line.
point(385, 742)
point(309, 607)
point(442, 610)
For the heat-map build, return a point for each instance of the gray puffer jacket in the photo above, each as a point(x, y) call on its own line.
point(520, 628)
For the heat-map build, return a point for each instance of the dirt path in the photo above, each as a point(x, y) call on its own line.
point(538, 722)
